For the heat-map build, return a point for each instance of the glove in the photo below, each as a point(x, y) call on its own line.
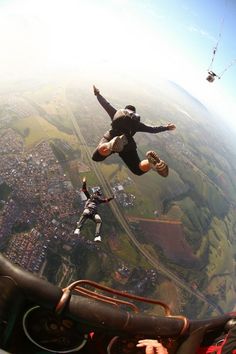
point(96, 90)
point(84, 179)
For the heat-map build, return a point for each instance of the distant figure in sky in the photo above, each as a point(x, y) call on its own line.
point(90, 210)
point(211, 76)
point(124, 124)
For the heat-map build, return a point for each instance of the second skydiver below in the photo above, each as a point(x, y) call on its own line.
point(90, 210)
point(125, 123)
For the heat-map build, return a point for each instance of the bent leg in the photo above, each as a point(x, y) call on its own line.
point(85, 215)
point(132, 160)
point(97, 219)
point(157, 164)
point(99, 154)
point(144, 165)
point(102, 150)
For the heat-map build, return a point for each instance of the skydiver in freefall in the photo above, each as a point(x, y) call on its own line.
point(90, 210)
point(124, 124)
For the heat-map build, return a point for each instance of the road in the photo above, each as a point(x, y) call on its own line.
point(124, 223)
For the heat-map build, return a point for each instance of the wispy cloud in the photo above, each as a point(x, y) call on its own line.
point(202, 32)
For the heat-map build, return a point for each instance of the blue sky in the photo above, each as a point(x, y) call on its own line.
point(195, 26)
point(126, 38)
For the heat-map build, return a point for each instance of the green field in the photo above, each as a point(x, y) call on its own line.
point(35, 129)
point(200, 190)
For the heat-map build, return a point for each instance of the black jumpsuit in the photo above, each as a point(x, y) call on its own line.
point(129, 127)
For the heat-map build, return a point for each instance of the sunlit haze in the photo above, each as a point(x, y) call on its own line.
point(123, 39)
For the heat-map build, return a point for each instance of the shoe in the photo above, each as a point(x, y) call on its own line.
point(117, 143)
point(77, 232)
point(98, 238)
point(156, 164)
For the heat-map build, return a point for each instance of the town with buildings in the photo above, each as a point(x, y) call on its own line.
point(37, 209)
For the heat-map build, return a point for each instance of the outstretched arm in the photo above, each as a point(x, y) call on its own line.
point(104, 103)
point(109, 199)
point(84, 188)
point(104, 200)
point(141, 127)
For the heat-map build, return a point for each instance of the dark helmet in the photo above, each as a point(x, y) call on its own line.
point(131, 108)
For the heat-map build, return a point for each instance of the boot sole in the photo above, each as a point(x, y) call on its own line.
point(119, 143)
point(158, 165)
point(162, 168)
